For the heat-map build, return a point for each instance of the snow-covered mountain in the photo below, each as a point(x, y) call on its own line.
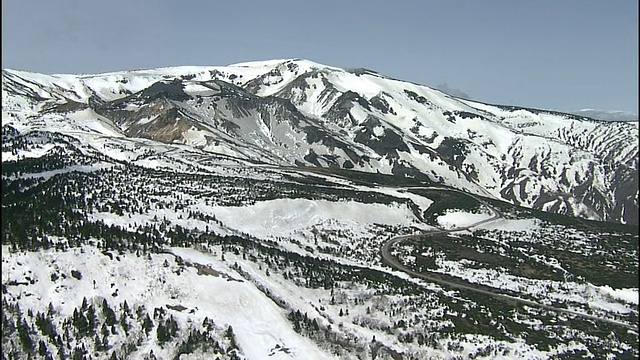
point(297, 112)
point(291, 210)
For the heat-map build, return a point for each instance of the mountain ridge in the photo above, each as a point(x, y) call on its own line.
point(296, 111)
point(284, 210)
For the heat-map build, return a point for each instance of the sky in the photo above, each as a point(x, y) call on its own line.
point(549, 54)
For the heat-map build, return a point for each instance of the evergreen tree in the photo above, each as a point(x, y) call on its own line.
point(172, 325)
point(24, 336)
point(42, 349)
point(97, 343)
point(126, 309)
point(147, 324)
point(62, 354)
point(78, 353)
point(108, 313)
point(124, 324)
point(80, 323)
point(162, 334)
point(104, 330)
point(231, 336)
point(92, 319)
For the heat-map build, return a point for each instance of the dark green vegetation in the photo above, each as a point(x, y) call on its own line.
point(100, 324)
point(603, 266)
point(369, 178)
point(483, 254)
point(446, 200)
point(600, 253)
point(53, 203)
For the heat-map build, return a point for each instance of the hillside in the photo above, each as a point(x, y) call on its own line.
point(296, 112)
point(290, 210)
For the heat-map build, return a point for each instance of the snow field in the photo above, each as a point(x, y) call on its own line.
point(259, 324)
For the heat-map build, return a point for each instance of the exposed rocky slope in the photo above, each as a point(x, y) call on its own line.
point(296, 112)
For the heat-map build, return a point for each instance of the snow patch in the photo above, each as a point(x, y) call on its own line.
point(627, 295)
point(456, 219)
point(282, 216)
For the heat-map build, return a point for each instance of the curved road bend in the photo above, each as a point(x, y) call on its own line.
point(387, 257)
point(395, 263)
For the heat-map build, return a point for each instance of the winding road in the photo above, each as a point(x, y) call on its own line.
point(394, 262)
point(450, 281)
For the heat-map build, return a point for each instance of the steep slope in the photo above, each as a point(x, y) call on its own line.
point(290, 210)
point(130, 248)
point(296, 112)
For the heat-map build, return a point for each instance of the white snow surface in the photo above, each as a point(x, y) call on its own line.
point(499, 138)
point(456, 219)
point(258, 323)
point(518, 137)
point(511, 225)
point(628, 295)
point(283, 216)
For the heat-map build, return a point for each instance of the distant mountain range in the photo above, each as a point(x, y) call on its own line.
point(607, 115)
point(299, 113)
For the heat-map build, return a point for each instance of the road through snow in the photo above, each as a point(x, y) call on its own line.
point(395, 263)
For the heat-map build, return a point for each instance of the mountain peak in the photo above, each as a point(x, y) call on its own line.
point(284, 209)
point(296, 111)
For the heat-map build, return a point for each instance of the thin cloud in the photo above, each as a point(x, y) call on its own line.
point(444, 87)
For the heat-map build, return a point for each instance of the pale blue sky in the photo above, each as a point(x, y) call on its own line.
point(553, 54)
